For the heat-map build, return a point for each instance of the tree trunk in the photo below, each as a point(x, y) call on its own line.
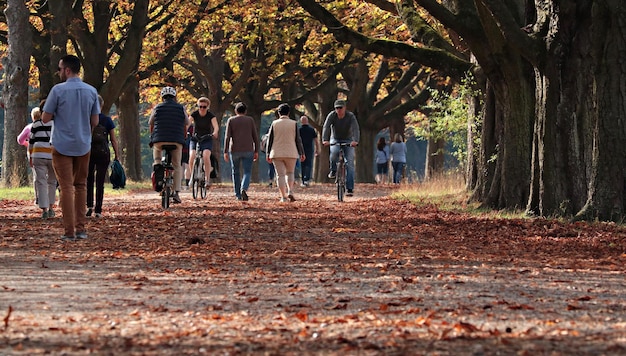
point(582, 118)
point(49, 44)
point(471, 171)
point(61, 12)
point(504, 176)
point(256, 115)
point(364, 156)
point(435, 158)
point(514, 153)
point(15, 94)
point(322, 161)
point(129, 130)
point(488, 147)
point(605, 199)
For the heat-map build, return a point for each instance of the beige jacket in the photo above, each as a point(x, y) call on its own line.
point(284, 139)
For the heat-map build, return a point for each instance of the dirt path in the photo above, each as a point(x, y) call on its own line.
point(369, 276)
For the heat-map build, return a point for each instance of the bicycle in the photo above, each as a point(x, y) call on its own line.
point(340, 175)
point(168, 176)
point(198, 182)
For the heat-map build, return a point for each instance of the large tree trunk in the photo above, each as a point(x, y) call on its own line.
point(514, 151)
point(608, 44)
point(582, 118)
point(504, 174)
point(129, 142)
point(15, 94)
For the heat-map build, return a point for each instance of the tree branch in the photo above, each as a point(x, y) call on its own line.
point(384, 5)
point(512, 32)
point(431, 57)
point(421, 31)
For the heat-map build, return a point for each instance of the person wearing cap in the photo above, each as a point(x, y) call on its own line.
point(168, 126)
point(284, 147)
point(341, 126)
point(241, 148)
point(75, 108)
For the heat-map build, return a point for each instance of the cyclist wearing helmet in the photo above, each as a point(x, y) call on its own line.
point(168, 126)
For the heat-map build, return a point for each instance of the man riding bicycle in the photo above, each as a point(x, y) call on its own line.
point(168, 126)
point(341, 126)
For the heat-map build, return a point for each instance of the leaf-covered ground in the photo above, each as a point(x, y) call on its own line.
point(368, 276)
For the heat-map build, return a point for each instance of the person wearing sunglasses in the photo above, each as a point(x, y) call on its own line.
point(205, 130)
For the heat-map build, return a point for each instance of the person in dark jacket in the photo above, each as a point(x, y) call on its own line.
point(311, 149)
point(168, 126)
point(99, 160)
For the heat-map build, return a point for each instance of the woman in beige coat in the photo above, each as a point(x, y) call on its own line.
point(285, 147)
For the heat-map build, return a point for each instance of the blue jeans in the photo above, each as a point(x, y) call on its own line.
point(348, 153)
point(306, 166)
point(271, 171)
point(397, 171)
point(237, 160)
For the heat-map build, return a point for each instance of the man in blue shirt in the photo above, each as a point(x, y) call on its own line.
point(74, 107)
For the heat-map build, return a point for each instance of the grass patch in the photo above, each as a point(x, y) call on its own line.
point(28, 193)
point(21, 193)
point(131, 186)
point(449, 194)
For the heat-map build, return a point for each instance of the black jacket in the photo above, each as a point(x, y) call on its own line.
point(169, 122)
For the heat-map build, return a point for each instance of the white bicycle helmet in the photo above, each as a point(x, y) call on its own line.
point(168, 91)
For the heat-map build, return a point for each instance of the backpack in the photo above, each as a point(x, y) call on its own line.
point(118, 176)
point(100, 141)
point(158, 171)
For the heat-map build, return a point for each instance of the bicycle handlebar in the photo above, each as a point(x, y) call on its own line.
point(202, 138)
point(341, 144)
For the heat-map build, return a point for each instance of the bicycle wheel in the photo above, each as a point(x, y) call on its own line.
point(341, 181)
point(196, 180)
point(203, 185)
point(195, 187)
point(340, 191)
point(165, 196)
